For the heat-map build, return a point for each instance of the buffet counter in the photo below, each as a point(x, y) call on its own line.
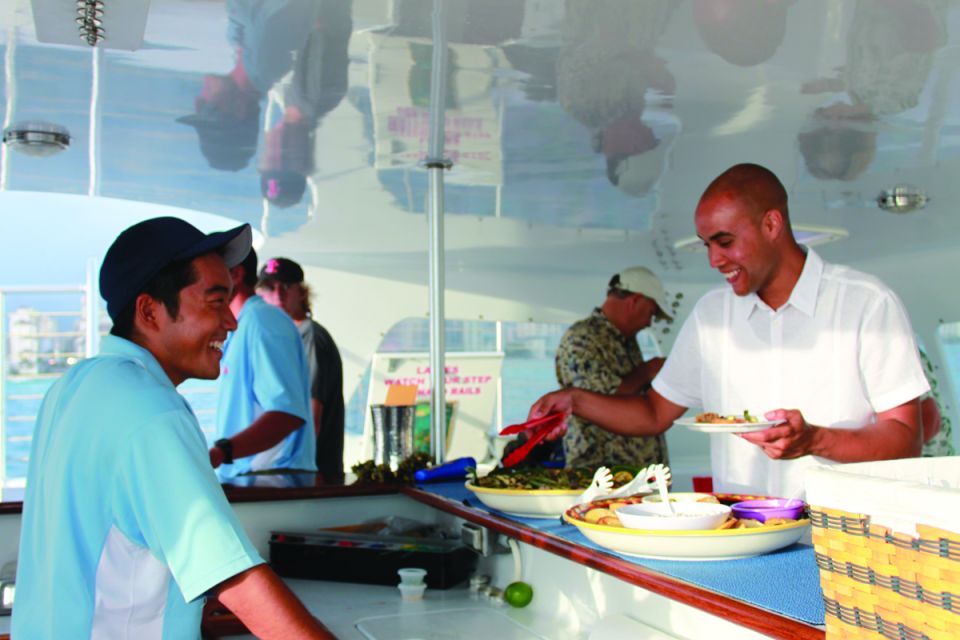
point(776, 594)
point(577, 584)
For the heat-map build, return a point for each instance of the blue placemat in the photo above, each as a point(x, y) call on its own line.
point(785, 581)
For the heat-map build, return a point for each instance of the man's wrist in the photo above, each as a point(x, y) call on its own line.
point(819, 441)
point(576, 393)
point(226, 448)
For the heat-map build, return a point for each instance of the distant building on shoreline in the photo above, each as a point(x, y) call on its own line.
point(36, 344)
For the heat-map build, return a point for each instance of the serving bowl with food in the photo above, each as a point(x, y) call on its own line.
point(733, 538)
point(683, 516)
point(537, 492)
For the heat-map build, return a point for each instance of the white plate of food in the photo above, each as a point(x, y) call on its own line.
point(531, 503)
point(710, 422)
point(714, 544)
point(523, 492)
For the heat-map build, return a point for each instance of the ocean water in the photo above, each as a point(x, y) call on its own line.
point(23, 402)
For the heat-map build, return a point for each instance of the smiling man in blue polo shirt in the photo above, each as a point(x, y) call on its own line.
point(125, 528)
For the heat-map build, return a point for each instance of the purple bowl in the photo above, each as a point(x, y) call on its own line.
point(771, 508)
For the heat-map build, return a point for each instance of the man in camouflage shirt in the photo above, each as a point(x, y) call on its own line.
point(937, 436)
point(600, 353)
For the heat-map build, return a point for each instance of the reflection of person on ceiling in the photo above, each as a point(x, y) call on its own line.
point(742, 32)
point(315, 87)
point(265, 34)
point(890, 49)
point(605, 66)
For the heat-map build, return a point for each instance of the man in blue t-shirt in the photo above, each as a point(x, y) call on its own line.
point(125, 528)
point(281, 285)
point(264, 405)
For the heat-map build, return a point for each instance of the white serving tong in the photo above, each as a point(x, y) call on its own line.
point(602, 484)
point(599, 487)
point(645, 479)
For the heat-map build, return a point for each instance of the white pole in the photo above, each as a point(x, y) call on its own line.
point(93, 153)
point(92, 338)
point(10, 84)
point(499, 347)
point(435, 164)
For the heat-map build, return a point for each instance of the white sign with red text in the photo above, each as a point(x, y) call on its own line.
point(470, 384)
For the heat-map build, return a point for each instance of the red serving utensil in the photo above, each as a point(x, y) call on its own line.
point(531, 424)
point(539, 433)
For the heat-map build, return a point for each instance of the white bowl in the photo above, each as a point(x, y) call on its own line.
point(688, 516)
point(528, 503)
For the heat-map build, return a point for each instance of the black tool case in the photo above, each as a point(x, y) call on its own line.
point(369, 558)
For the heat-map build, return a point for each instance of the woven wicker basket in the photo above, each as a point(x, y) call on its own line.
point(879, 584)
point(878, 581)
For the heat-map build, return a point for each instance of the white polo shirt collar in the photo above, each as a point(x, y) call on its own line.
point(803, 298)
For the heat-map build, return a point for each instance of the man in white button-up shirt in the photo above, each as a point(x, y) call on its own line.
point(826, 349)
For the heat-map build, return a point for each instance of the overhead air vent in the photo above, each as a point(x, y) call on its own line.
point(902, 199)
point(38, 139)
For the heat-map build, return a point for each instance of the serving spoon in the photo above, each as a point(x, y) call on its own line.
point(662, 488)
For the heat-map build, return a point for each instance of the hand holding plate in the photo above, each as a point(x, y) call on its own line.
point(791, 439)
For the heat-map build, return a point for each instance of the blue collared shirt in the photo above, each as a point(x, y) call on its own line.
point(264, 368)
point(125, 525)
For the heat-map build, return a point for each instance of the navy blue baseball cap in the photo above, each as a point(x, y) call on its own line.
point(141, 251)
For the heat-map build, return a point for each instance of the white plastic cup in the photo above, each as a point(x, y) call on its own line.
point(411, 592)
point(412, 576)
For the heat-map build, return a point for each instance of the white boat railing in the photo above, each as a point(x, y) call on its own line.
point(33, 344)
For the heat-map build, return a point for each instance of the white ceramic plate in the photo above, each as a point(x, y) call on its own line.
point(722, 544)
point(739, 427)
point(534, 503)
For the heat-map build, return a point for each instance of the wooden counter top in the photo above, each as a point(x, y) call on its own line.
point(297, 490)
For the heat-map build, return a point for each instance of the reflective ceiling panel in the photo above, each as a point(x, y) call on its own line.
point(581, 131)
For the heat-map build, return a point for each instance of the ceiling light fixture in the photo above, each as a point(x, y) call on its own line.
point(39, 139)
point(902, 198)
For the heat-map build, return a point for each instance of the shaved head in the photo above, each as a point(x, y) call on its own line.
point(742, 220)
point(753, 186)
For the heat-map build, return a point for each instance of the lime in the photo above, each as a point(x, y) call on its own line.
point(518, 594)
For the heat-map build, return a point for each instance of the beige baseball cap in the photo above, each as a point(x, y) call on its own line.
point(643, 281)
